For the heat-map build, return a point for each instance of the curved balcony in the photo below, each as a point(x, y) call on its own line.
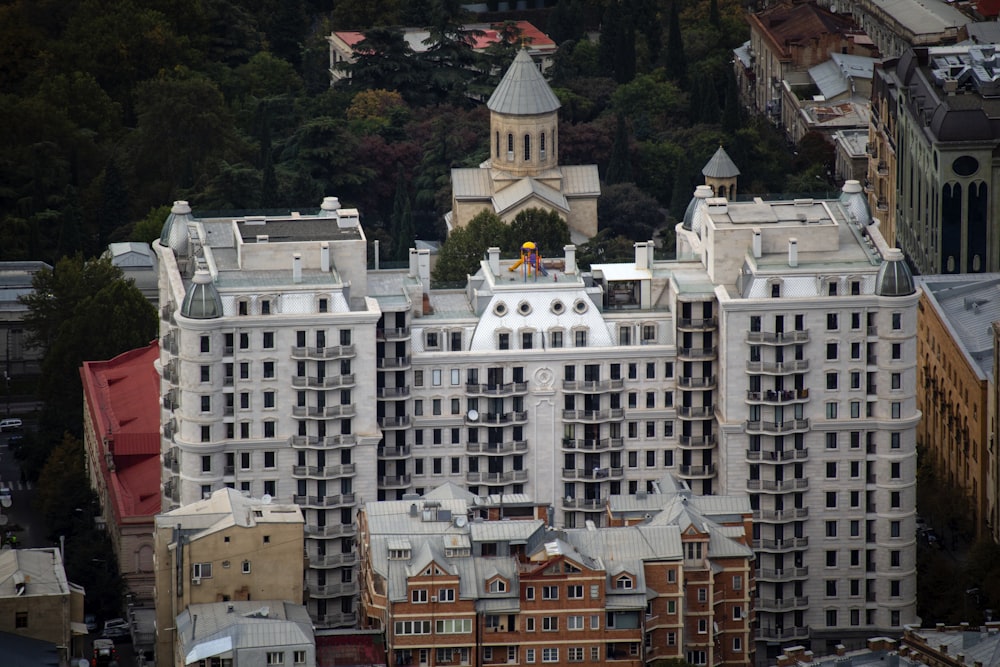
point(781, 604)
point(697, 472)
point(778, 337)
point(170, 372)
point(339, 589)
point(777, 428)
point(778, 397)
point(778, 367)
point(323, 353)
point(781, 546)
point(786, 574)
point(593, 416)
point(330, 441)
point(394, 481)
point(777, 486)
point(170, 461)
point(392, 334)
point(393, 363)
point(697, 441)
point(498, 418)
point(585, 504)
point(697, 383)
point(332, 560)
point(507, 389)
point(329, 382)
point(592, 386)
point(593, 473)
point(322, 472)
point(394, 393)
point(781, 516)
point(696, 411)
point(781, 634)
point(593, 445)
point(507, 477)
point(784, 456)
point(697, 324)
point(697, 353)
point(497, 448)
point(326, 412)
point(321, 502)
point(169, 343)
point(397, 422)
point(331, 530)
point(399, 452)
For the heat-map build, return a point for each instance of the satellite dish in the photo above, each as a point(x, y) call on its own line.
point(5, 501)
point(460, 521)
point(473, 415)
point(266, 499)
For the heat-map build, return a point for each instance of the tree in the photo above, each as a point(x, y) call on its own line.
point(676, 63)
point(545, 229)
point(566, 21)
point(77, 311)
point(620, 165)
point(627, 211)
point(605, 248)
point(383, 60)
point(462, 251)
point(148, 229)
point(402, 218)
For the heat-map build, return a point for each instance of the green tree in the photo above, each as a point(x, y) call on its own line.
point(114, 204)
point(148, 228)
point(605, 248)
point(620, 165)
point(385, 61)
point(676, 63)
point(627, 211)
point(545, 229)
point(566, 21)
point(402, 218)
point(465, 247)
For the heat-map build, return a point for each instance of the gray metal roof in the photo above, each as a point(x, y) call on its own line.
point(720, 166)
point(525, 189)
point(205, 629)
point(968, 305)
point(523, 91)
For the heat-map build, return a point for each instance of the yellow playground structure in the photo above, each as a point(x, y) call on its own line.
point(531, 260)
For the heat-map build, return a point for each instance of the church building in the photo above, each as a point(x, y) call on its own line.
point(523, 170)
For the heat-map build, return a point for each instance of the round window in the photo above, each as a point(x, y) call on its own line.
point(580, 306)
point(965, 165)
point(558, 307)
point(500, 308)
point(524, 307)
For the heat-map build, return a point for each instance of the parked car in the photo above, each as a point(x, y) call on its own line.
point(10, 424)
point(5, 496)
point(105, 653)
point(115, 628)
point(91, 622)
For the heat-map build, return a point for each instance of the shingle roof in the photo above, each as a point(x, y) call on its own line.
point(720, 166)
point(523, 91)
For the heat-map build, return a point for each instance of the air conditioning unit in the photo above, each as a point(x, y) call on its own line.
point(196, 581)
point(434, 598)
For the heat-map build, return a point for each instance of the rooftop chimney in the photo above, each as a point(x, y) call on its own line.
point(641, 257)
point(756, 243)
point(793, 252)
point(570, 251)
point(494, 260)
point(296, 268)
point(324, 257)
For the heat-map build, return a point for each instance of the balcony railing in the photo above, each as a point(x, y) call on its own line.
point(497, 447)
point(397, 452)
point(787, 544)
point(697, 441)
point(504, 389)
point(696, 411)
point(395, 363)
point(332, 560)
point(781, 634)
point(697, 352)
point(778, 337)
point(328, 382)
point(344, 619)
point(586, 504)
point(781, 604)
point(778, 397)
point(697, 383)
point(593, 415)
point(395, 333)
point(593, 445)
point(331, 530)
point(400, 421)
point(778, 367)
point(394, 481)
point(393, 392)
point(592, 386)
point(499, 418)
point(777, 428)
point(786, 574)
point(323, 353)
point(323, 471)
point(592, 473)
point(339, 500)
point(800, 484)
point(325, 412)
point(339, 589)
point(781, 516)
point(697, 324)
point(312, 442)
point(507, 477)
point(697, 471)
point(777, 457)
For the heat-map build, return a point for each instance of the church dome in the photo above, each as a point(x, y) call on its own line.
point(894, 277)
point(853, 199)
point(202, 301)
point(174, 234)
point(523, 90)
point(701, 193)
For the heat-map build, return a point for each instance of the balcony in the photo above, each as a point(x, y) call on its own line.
point(592, 386)
point(592, 416)
point(392, 334)
point(312, 442)
point(170, 460)
point(787, 574)
point(777, 428)
point(781, 634)
point(507, 389)
point(871, 149)
point(697, 353)
point(323, 472)
point(394, 481)
point(323, 353)
point(781, 516)
point(167, 314)
point(497, 448)
point(339, 589)
point(344, 619)
point(778, 367)
point(882, 204)
point(777, 486)
point(778, 337)
point(697, 472)
point(778, 397)
point(319, 502)
point(498, 418)
point(593, 473)
point(398, 452)
point(332, 560)
point(399, 421)
point(394, 392)
point(507, 477)
point(696, 411)
point(170, 402)
point(325, 412)
point(169, 343)
point(697, 324)
point(697, 383)
point(332, 530)
point(394, 363)
point(329, 382)
point(784, 545)
point(783, 456)
point(585, 504)
point(170, 373)
point(594, 445)
point(883, 168)
point(169, 429)
point(697, 441)
point(781, 604)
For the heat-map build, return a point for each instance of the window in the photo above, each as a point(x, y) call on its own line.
point(498, 586)
point(206, 433)
point(702, 626)
point(269, 459)
point(831, 528)
point(831, 618)
point(21, 619)
point(580, 338)
point(831, 559)
point(894, 499)
point(527, 340)
point(432, 341)
point(503, 341)
point(894, 588)
point(555, 339)
point(550, 623)
point(831, 499)
point(201, 571)
point(529, 655)
point(894, 528)
point(268, 369)
point(529, 593)
point(550, 655)
point(831, 410)
point(897, 351)
point(550, 592)
point(206, 403)
point(244, 341)
point(702, 595)
point(299, 657)
point(831, 380)
point(897, 321)
point(418, 595)
point(575, 653)
point(268, 340)
point(527, 147)
point(831, 322)
point(268, 399)
point(269, 429)
point(896, 409)
point(246, 567)
point(624, 582)
point(574, 592)
point(575, 623)
point(831, 351)
point(275, 657)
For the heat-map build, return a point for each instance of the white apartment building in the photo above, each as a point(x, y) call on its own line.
point(775, 357)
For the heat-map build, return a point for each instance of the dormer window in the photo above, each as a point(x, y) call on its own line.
point(265, 307)
point(624, 582)
point(241, 307)
point(432, 340)
point(497, 585)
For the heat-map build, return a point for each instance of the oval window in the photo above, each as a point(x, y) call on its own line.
point(558, 307)
point(965, 165)
point(500, 308)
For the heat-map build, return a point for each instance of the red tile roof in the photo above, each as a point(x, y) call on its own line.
point(538, 39)
point(123, 402)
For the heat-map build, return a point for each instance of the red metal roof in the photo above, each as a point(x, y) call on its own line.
point(122, 398)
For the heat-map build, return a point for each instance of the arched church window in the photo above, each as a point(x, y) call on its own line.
point(527, 147)
point(498, 144)
point(541, 146)
point(510, 146)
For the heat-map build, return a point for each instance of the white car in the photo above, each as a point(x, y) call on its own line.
point(10, 424)
point(5, 496)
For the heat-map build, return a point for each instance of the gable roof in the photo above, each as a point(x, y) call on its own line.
point(523, 91)
point(525, 189)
